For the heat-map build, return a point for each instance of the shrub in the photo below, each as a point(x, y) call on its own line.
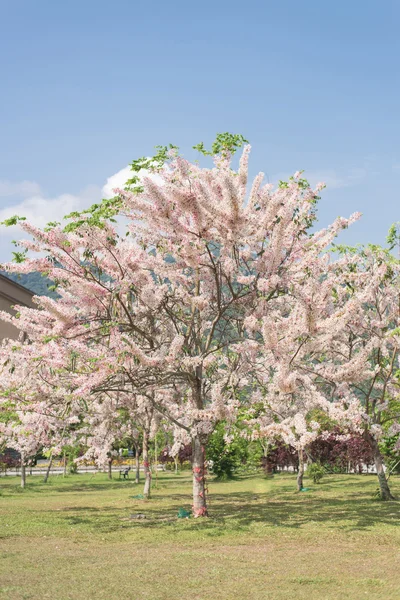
point(222, 455)
point(316, 472)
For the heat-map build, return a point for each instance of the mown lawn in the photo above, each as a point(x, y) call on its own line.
point(74, 538)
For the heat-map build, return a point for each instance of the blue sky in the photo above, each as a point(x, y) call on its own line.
point(88, 86)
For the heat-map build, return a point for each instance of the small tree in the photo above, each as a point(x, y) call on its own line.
point(316, 472)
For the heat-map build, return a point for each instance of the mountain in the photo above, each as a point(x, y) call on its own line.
point(35, 282)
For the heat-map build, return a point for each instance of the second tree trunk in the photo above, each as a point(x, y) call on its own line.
point(146, 465)
point(46, 477)
point(199, 481)
point(384, 489)
point(23, 471)
point(137, 464)
point(300, 474)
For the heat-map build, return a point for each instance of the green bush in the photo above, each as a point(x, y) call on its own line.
point(316, 472)
point(70, 454)
point(72, 468)
point(223, 456)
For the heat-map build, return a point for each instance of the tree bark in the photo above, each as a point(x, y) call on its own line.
point(300, 473)
point(137, 464)
point(110, 468)
point(384, 488)
point(199, 482)
point(176, 464)
point(146, 465)
point(47, 474)
point(156, 461)
point(23, 471)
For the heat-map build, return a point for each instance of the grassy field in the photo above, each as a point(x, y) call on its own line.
point(75, 538)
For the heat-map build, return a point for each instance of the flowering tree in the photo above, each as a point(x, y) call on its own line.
point(28, 431)
point(100, 431)
point(338, 353)
point(292, 336)
point(36, 412)
point(142, 418)
point(168, 310)
point(362, 364)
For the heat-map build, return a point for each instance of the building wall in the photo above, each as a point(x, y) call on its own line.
point(11, 294)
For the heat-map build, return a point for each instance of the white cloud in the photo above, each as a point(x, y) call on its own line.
point(118, 180)
point(39, 210)
point(21, 188)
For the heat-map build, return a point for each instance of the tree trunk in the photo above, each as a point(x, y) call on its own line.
point(23, 471)
point(46, 477)
point(156, 461)
point(199, 482)
point(384, 489)
point(176, 464)
point(300, 473)
point(65, 465)
point(110, 468)
point(137, 464)
point(146, 465)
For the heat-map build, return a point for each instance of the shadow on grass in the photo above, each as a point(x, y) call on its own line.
point(90, 487)
point(283, 507)
point(346, 514)
point(340, 501)
point(94, 483)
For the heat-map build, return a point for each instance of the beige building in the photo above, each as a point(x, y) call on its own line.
point(12, 293)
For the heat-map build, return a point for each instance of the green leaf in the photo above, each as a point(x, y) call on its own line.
point(225, 144)
point(12, 221)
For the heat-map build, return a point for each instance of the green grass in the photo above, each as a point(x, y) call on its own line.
point(74, 539)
